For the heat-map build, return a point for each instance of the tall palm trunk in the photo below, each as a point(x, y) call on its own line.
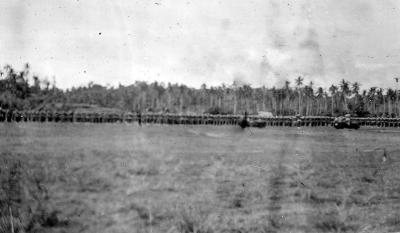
point(234, 103)
point(299, 102)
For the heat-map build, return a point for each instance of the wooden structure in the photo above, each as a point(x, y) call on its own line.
point(182, 119)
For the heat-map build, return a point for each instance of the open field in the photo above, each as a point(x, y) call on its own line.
point(123, 178)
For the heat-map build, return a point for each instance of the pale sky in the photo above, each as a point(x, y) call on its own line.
point(262, 42)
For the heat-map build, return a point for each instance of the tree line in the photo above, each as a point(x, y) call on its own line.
point(22, 91)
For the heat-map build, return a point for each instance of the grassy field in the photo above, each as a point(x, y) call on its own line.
point(122, 178)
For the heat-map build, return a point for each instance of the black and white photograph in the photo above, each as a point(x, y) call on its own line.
point(207, 116)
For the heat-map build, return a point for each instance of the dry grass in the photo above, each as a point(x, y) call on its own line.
point(25, 201)
point(121, 178)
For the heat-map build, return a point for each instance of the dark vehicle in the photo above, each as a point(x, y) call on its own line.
point(343, 125)
point(245, 122)
point(258, 123)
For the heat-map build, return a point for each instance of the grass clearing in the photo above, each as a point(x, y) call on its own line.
point(204, 179)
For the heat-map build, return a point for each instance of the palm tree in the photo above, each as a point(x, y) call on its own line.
point(391, 95)
point(309, 94)
point(345, 90)
point(310, 97)
point(355, 88)
point(371, 99)
point(326, 96)
point(235, 87)
point(380, 100)
point(320, 96)
point(220, 95)
point(333, 89)
point(287, 94)
point(397, 97)
point(299, 83)
point(287, 85)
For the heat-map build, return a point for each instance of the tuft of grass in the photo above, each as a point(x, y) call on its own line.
point(192, 219)
point(25, 204)
point(393, 222)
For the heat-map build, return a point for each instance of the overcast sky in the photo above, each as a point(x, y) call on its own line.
point(262, 42)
